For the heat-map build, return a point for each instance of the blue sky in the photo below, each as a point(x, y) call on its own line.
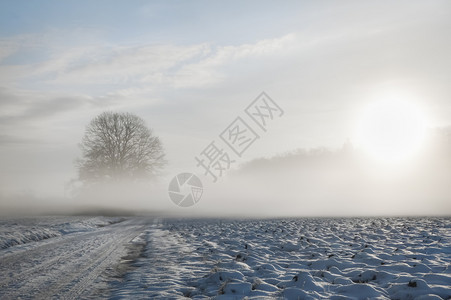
point(132, 22)
point(189, 68)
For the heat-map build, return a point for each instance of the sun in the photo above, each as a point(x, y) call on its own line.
point(391, 131)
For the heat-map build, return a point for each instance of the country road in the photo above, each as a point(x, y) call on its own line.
point(66, 267)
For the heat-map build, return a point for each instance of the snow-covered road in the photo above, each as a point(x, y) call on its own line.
point(68, 266)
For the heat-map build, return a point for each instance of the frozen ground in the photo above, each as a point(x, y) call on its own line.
point(63, 257)
point(91, 258)
point(384, 258)
point(17, 231)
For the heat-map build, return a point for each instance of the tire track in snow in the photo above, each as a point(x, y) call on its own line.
point(67, 268)
point(16, 261)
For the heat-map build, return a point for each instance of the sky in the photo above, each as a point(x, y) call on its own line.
point(190, 68)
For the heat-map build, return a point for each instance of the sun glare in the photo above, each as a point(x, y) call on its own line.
point(391, 131)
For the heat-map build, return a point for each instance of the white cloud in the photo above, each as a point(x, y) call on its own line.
point(160, 65)
point(123, 65)
point(6, 49)
point(209, 70)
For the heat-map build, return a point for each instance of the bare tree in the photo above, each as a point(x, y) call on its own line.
point(119, 145)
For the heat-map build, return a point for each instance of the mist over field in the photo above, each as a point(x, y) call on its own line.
point(305, 182)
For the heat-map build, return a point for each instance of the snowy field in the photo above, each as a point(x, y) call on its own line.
point(147, 258)
point(384, 258)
